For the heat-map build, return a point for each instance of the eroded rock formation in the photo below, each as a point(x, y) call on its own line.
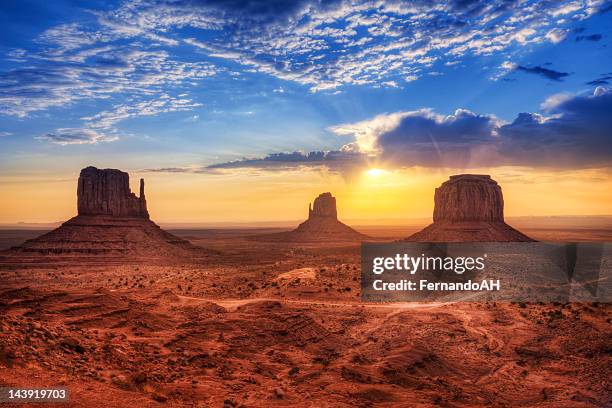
point(469, 208)
point(324, 206)
point(107, 192)
point(469, 197)
point(322, 225)
point(111, 221)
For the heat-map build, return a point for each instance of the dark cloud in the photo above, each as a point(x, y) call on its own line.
point(604, 79)
point(333, 159)
point(576, 132)
point(425, 139)
point(592, 37)
point(606, 8)
point(423, 127)
point(544, 72)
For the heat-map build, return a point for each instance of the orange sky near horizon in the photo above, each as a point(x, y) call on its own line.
point(243, 196)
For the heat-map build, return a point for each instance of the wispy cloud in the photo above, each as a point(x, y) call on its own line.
point(603, 79)
point(146, 51)
point(323, 45)
point(77, 136)
point(162, 104)
point(102, 75)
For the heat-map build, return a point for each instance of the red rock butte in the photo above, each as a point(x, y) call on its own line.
point(112, 221)
point(322, 225)
point(107, 192)
point(469, 208)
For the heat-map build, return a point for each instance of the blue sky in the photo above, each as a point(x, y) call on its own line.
point(203, 86)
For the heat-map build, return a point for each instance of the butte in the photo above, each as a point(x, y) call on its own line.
point(112, 223)
point(469, 208)
point(322, 225)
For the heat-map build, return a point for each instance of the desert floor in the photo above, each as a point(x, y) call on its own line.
point(269, 324)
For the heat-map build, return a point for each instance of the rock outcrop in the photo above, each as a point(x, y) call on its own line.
point(469, 208)
point(469, 197)
point(324, 206)
point(111, 222)
point(107, 192)
point(322, 225)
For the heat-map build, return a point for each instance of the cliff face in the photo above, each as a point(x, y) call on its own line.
point(324, 206)
point(469, 197)
point(107, 192)
point(469, 208)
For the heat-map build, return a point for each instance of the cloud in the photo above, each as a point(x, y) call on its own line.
point(543, 72)
point(577, 134)
point(170, 170)
point(424, 138)
point(343, 159)
point(103, 74)
point(602, 80)
point(592, 37)
point(77, 136)
point(573, 132)
point(137, 47)
point(150, 107)
point(120, 64)
point(130, 56)
point(555, 100)
point(557, 35)
point(4, 134)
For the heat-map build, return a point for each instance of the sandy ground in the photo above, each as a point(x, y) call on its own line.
point(265, 324)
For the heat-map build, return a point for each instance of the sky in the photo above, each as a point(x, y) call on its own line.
point(240, 111)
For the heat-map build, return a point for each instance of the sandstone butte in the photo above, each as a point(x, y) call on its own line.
point(107, 192)
point(469, 208)
point(322, 225)
point(112, 221)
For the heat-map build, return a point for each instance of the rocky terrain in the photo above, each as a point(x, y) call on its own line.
point(322, 225)
point(270, 324)
point(468, 208)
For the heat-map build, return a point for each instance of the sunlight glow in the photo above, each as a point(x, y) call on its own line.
point(376, 172)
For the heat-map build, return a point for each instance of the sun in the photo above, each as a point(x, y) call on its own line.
point(375, 172)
